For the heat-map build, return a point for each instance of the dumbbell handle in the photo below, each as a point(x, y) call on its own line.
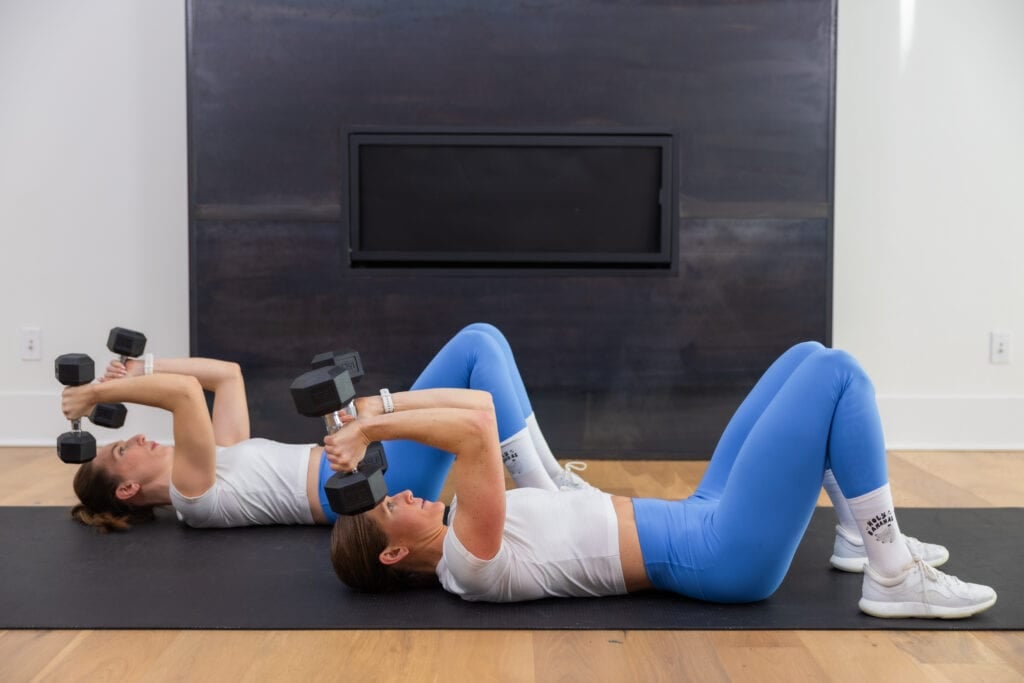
point(333, 420)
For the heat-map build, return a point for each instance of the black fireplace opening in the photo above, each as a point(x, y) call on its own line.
point(511, 200)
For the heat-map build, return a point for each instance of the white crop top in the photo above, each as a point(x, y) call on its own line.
point(555, 544)
point(258, 482)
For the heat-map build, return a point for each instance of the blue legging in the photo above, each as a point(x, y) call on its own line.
point(477, 357)
point(734, 539)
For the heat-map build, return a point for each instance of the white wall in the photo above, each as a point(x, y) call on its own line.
point(929, 223)
point(93, 204)
point(93, 194)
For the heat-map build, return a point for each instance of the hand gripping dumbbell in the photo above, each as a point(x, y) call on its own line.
point(325, 392)
point(77, 446)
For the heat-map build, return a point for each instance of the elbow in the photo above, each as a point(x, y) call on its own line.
point(483, 425)
point(228, 372)
point(484, 401)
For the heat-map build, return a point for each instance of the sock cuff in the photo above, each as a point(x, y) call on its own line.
point(829, 479)
point(883, 492)
point(518, 454)
point(522, 433)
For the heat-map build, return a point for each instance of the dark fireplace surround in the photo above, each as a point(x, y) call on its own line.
point(638, 194)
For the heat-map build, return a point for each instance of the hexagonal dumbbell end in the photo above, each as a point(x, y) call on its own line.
point(124, 342)
point(345, 358)
point(375, 459)
point(322, 391)
point(74, 369)
point(109, 415)
point(356, 492)
point(76, 447)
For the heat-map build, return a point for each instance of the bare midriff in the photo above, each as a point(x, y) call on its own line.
point(632, 558)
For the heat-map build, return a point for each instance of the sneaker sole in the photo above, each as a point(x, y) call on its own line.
point(855, 565)
point(920, 610)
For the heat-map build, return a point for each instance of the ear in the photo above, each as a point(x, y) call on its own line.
point(127, 490)
point(393, 554)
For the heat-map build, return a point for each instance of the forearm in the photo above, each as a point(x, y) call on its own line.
point(466, 399)
point(212, 374)
point(167, 391)
point(461, 431)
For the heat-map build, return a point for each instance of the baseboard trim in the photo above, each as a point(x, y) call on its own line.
point(958, 423)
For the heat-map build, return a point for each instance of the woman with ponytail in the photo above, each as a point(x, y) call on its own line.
point(216, 475)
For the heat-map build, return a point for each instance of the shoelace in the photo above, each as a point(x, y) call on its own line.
point(935, 575)
point(574, 466)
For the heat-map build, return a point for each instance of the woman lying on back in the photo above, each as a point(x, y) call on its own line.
point(732, 541)
point(215, 475)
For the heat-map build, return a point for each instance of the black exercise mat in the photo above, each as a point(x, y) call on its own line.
point(54, 573)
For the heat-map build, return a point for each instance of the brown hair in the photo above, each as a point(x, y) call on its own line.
point(356, 544)
point(100, 507)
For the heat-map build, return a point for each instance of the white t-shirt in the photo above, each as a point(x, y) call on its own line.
point(258, 482)
point(555, 544)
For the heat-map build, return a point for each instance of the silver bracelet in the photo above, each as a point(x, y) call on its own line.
point(385, 397)
point(147, 364)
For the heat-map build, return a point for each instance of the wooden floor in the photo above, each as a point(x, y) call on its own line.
point(36, 477)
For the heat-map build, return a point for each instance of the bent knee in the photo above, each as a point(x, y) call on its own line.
point(845, 363)
point(806, 348)
point(486, 328)
point(474, 338)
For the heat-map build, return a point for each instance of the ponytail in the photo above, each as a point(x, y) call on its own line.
point(100, 507)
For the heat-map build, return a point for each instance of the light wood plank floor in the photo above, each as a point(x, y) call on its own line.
point(35, 477)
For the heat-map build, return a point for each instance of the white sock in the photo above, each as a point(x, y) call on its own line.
point(887, 551)
point(523, 463)
point(842, 508)
point(547, 458)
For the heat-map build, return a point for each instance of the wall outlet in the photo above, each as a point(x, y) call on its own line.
point(30, 343)
point(999, 348)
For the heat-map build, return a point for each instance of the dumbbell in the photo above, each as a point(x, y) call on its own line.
point(80, 369)
point(350, 360)
point(362, 490)
point(77, 446)
point(126, 343)
point(325, 392)
point(346, 358)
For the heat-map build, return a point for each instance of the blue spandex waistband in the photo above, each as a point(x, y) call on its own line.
point(326, 473)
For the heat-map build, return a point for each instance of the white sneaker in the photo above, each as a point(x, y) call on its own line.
point(568, 480)
point(922, 592)
point(848, 552)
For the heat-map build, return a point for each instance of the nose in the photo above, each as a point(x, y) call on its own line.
point(407, 495)
point(139, 439)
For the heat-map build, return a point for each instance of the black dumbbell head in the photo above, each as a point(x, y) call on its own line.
point(125, 342)
point(355, 493)
point(374, 459)
point(322, 391)
point(110, 415)
point(76, 447)
point(346, 358)
point(74, 369)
